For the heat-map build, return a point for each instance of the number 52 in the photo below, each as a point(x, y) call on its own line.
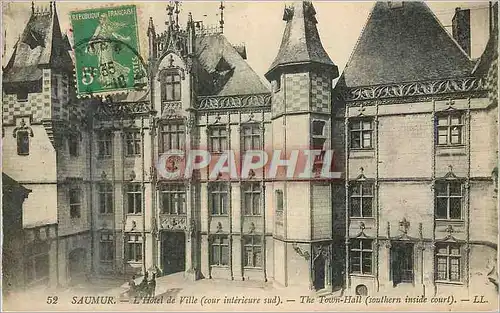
point(52, 299)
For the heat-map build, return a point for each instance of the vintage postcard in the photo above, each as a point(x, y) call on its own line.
point(249, 156)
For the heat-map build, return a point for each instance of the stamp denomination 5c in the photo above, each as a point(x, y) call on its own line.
point(106, 49)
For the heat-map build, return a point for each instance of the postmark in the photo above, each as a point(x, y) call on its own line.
point(106, 46)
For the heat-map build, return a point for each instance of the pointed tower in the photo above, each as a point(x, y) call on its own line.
point(47, 139)
point(301, 77)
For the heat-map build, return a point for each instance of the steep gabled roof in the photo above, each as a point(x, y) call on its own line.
point(222, 70)
point(40, 45)
point(403, 44)
point(300, 43)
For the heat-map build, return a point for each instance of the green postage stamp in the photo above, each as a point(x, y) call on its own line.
point(106, 46)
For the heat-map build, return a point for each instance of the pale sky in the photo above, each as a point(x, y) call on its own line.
point(257, 24)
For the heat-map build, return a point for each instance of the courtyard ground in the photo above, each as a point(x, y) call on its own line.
point(175, 293)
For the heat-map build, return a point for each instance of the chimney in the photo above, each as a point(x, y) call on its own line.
point(461, 29)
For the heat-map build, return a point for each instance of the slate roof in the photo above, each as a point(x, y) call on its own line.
point(40, 45)
point(300, 42)
point(404, 44)
point(222, 71)
point(10, 185)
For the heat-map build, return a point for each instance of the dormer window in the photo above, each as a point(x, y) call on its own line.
point(170, 84)
point(277, 84)
point(22, 95)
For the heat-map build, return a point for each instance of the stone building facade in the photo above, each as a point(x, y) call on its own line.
point(410, 119)
point(420, 136)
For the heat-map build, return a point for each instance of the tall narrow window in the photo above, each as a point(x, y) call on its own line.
point(218, 139)
point(105, 191)
point(133, 143)
point(134, 248)
point(448, 262)
point(449, 200)
point(173, 199)
point(251, 198)
point(251, 137)
point(172, 137)
point(450, 129)
point(36, 263)
point(134, 198)
point(361, 199)
point(218, 198)
point(253, 251)
point(73, 145)
point(106, 247)
point(170, 85)
point(318, 135)
point(361, 256)
point(23, 143)
point(361, 133)
point(75, 202)
point(55, 86)
point(219, 250)
point(279, 200)
point(104, 144)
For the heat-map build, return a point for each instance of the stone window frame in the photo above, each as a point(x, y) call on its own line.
point(75, 196)
point(105, 195)
point(219, 194)
point(252, 243)
point(361, 250)
point(133, 143)
point(448, 117)
point(255, 134)
point(361, 196)
point(218, 134)
point(361, 131)
point(449, 196)
point(448, 256)
point(134, 253)
point(175, 82)
point(74, 145)
point(104, 144)
point(133, 191)
point(106, 244)
point(167, 131)
point(173, 191)
point(219, 243)
point(37, 251)
point(251, 189)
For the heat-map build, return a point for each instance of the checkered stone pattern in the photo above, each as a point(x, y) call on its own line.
point(492, 81)
point(76, 111)
point(278, 107)
point(38, 106)
point(297, 92)
point(320, 93)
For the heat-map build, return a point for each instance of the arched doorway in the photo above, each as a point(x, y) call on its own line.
point(77, 264)
point(173, 250)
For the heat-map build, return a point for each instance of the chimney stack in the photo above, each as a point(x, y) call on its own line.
point(461, 29)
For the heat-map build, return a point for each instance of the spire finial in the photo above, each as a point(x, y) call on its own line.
point(221, 22)
point(50, 6)
point(151, 27)
point(33, 7)
point(177, 11)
